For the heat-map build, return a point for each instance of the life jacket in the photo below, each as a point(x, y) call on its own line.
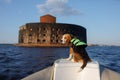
point(77, 42)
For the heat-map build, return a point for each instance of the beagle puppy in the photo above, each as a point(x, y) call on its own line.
point(77, 49)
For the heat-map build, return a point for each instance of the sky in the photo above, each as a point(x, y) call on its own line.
point(101, 18)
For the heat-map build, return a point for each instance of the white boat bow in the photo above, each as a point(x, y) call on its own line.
point(67, 70)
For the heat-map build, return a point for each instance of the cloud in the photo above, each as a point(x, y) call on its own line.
point(57, 7)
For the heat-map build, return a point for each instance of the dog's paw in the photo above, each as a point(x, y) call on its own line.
point(72, 60)
point(68, 59)
point(80, 70)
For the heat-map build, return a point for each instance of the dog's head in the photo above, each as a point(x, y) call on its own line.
point(66, 39)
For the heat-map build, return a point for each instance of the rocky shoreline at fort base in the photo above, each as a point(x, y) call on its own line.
point(47, 45)
point(41, 45)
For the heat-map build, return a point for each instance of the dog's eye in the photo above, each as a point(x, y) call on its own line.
point(65, 37)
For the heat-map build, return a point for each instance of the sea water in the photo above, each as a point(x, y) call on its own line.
point(19, 62)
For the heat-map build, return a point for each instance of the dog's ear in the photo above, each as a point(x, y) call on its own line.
point(71, 36)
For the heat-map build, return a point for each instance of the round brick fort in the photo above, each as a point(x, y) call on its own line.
point(47, 32)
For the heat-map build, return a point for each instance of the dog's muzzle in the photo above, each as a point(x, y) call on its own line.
point(63, 41)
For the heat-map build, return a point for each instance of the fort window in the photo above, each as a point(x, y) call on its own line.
point(57, 35)
point(30, 34)
point(57, 41)
point(51, 40)
point(21, 40)
point(44, 29)
point(38, 40)
point(39, 29)
point(44, 34)
point(44, 40)
point(57, 29)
